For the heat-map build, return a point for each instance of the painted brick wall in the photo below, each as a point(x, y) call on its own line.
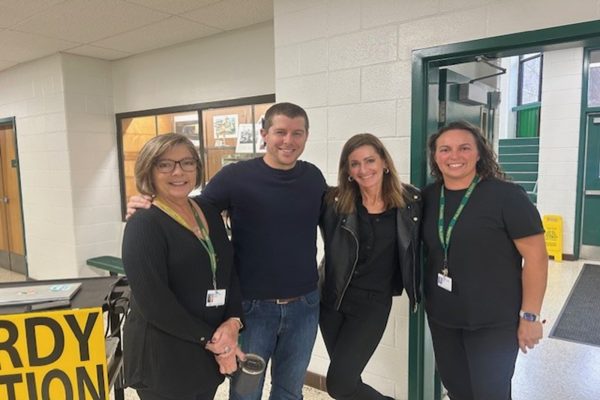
point(34, 94)
point(559, 138)
point(349, 63)
point(67, 158)
point(221, 67)
point(92, 152)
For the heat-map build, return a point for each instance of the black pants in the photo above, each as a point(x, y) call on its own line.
point(148, 394)
point(476, 364)
point(351, 335)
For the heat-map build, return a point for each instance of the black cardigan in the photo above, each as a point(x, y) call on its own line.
point(169, 324)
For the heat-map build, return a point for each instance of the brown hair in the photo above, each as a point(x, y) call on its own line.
point(152, 152)
point(346, 193)
point(290, 110)
point(487, 166)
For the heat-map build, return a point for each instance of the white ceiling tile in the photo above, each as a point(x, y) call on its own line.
point(112, 29)
point(233, 14)
point(98, 52)
point(15, 11)
point(174, 6)
point(85, 21)
point(19, 46)
point(164, 33)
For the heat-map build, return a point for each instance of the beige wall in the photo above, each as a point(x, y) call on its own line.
point(225, 66)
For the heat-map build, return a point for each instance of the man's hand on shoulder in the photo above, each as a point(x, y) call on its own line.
point(137, 201)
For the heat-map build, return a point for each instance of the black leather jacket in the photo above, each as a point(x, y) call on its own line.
point(340, 235)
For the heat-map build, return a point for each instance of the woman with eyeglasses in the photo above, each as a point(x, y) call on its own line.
point(180, 337)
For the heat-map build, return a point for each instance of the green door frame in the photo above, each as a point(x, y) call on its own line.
point(586, 34)
point(587, 111)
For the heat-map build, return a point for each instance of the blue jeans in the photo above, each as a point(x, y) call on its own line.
point(284, 334)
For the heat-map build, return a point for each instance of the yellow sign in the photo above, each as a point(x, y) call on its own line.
point(553, 225)
point(53, 355)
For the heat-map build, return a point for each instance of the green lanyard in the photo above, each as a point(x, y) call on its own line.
point(208, 246)
point(445, 239)
point(205, 240)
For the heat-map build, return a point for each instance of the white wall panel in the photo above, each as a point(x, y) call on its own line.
point(226, 66)
point(385, 81)
point(559, 138)
point(343, 87)
point(314, 56)
point(363, 48)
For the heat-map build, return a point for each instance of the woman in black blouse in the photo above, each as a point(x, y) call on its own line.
point(181, 334)
point(370, 227)
point(486, 268)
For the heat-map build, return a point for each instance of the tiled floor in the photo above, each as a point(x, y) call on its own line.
point(557, 369)
point(554, 370)
point(223, 393)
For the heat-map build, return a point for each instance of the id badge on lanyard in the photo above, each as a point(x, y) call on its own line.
point(443, 280)
point(215, 297)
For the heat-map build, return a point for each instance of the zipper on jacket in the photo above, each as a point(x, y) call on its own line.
point(339, 303)
point(414, 282)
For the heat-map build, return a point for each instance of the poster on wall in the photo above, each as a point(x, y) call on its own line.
point(188, 125)
point(225, 126)
point(246, 139)
point(188, 129)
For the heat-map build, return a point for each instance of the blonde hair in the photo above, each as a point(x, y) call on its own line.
point(152, 151)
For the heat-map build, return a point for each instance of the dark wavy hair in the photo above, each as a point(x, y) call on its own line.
point(487, 166)
point(346, 193)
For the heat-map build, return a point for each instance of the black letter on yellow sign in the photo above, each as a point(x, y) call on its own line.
point(82, 337)
point(60, 375)
point(31, 386)
point(9, 381)
point(35, 360)
point(9, 344)
point(85, 382)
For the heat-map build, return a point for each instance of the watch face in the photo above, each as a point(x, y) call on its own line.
point(529, 317)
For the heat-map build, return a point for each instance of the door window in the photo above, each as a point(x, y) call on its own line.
point(593, 97)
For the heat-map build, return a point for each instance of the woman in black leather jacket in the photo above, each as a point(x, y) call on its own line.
point(370, 227)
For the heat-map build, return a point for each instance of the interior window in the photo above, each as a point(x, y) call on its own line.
point(221, 135)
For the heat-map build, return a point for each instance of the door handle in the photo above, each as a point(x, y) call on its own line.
point(5, 200)
point(592, 192)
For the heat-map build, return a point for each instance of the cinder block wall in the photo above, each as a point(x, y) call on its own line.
point(559, 138)
point(349, 63)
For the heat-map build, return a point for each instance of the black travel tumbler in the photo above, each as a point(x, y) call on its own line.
point(246, 379)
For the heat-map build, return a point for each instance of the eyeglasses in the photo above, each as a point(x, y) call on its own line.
point(165, 165)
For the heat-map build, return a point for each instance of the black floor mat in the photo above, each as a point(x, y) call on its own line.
point(579, 320)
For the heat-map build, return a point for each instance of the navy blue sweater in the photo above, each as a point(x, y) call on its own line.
point(274, 216)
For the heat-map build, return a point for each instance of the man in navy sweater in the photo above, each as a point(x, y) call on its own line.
point(274, 204)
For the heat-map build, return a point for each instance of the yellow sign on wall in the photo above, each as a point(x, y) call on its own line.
point(53, 355)
point(553, 225)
